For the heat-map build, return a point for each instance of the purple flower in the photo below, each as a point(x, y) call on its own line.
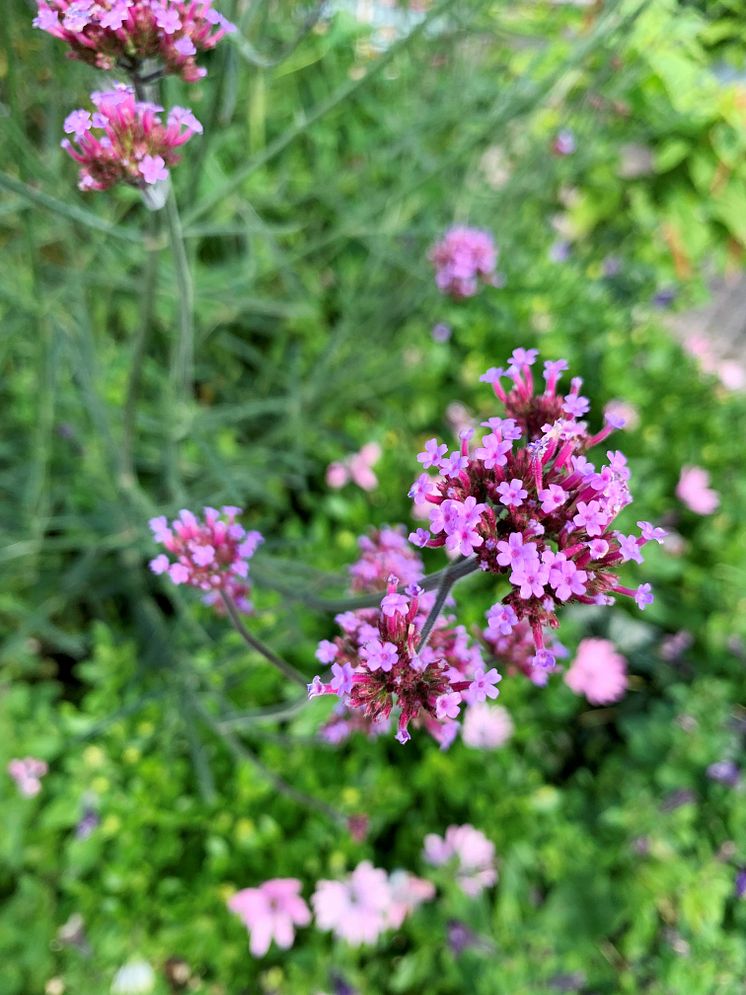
point(77, 123)
point(483, 685)
point(455, 463)
point(153, 168)
point(501, 619)
point(565, 577)
point(493, 451)
point(341, 681)
point(651, 534)
point(447, 706)
point(513, 493)
point(724, 771)
point(552, 497)
point(590, 517)
point(576, 405)
point(523, 357)
point(394, 604)
point(432, 454)
point(326, 651)
point(515, 550)
point(644, 596)
point(379, 656)
point(628, 548)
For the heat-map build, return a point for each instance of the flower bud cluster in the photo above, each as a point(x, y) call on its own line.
point(211, 555)
point(462, 258)
point(125, 141)
point(124, 33)
point(529, 505)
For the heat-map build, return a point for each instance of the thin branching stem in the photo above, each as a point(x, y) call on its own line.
point(242, 752)
point(256, 644)
point(446, 583)
point(183, 356)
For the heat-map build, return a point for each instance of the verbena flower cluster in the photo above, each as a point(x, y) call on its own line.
point(124, 33)
point(598, 672)
point(212, 555)
point(27, 773)
point(469, 851)
point(530, 507)
point(377, 662)
point(356, 909)
point(463, 258)
point(125, 141)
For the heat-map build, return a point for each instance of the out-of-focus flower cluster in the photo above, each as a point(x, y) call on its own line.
point(357, 909)
point(599, 672)
point(357, 467)
point(212, 555)
point(125, 141)
point(529, 505)
point(463, 258)
point(124, 33)
point(377, 662)
point(693, 490)
point(470, 853)
point(27, 773)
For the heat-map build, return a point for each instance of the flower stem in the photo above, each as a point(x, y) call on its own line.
point(149, 281)
point(183, 355)
point(256, 644)
point(447, 581)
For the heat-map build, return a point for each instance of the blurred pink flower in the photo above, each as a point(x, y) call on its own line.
point(598, 672)
point(628, 413)
point(270, 912)
point(357, 467)
point(355, 909)
point(473, 853)
point(486, 727)
point(27, 774)
point(405, 894)
point(693, 490)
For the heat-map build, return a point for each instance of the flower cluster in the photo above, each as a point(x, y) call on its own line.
point(356, 909)
point(379, 662)
point(693, 490)
point(124, 33)
point(470, 851)
point(529, 506)
point(357, 467)
point(598, 671)
point(486, 727)
point(125, 141)
point(367, 902)
point(384, 552)
point(27, 773)
point(461, 259)
point(211, 555)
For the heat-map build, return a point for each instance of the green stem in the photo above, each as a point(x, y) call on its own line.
point(183, 355)
point(446, 583)
point(256, 644)
point(144, 331)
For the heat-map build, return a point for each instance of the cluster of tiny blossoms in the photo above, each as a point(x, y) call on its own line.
point(27, 773)
point(356, 909)
point(211, 555)
point(471, 854)
point(377, 662)
point(125, 141)
point(530, 506)
point(124, 33)
point(462, 258)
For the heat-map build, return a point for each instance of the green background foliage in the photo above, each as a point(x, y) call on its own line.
point(327, 169)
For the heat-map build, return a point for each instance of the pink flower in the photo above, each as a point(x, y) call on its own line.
point(27, 774)
point(472, 852)
point(270, 912)
point(126, 141)
point(357, 467)
point(212, 555)
point(693, 490)
point(461, 259)
point(598, 671)
point(486, 727)
point(111, 32)
point(355, 909)
point(406, 892)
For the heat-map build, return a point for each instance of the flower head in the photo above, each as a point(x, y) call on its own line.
point(271, 912)
point(598, 671)
point(462, 258)
point(471, 852)
point(125, 140)
point(693, 490)
point(27, 773)
point(109, 33)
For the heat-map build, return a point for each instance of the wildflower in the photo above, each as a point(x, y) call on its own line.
point(406, 893)
point(126, 33)
point(462, 258)
point(271, 912)
point(598, 671)
point(125, 140)
point(384, 552)
point(530, 506)
point(135, 978)
point(486, 727)
point(356, 467)
point(27, 773)
point(726, 772)
point(441, 332)
point(212, 555)
point(564, 142)
point(471, 852)
point(693, 490)
point(356, 908)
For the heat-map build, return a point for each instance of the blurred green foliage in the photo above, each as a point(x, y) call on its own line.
point(327, 170)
